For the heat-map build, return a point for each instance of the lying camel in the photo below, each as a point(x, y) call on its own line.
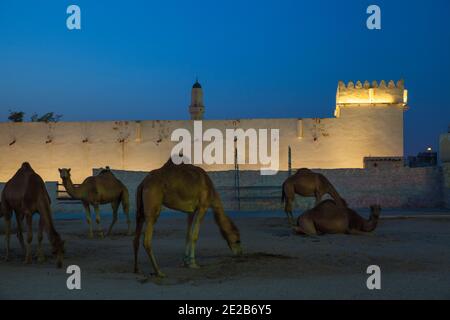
point(97, 190)
point(185, 188)
point(25, 194)
point(329, 217)
point(308, 184)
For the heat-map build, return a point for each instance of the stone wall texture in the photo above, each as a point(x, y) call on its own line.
point(391, 188)
point(359, 131)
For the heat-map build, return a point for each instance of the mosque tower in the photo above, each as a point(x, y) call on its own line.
point(197, 109)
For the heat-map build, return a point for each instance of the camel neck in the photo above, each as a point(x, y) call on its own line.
point(71, 189)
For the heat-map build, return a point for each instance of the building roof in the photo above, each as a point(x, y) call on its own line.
point(197, 85)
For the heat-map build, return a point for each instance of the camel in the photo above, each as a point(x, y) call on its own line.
point(25, 194)
point(308, 184)
point(185, 188)
point(97, 190)
point(329, 217)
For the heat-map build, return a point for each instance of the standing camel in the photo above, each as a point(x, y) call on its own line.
point(328, 217)
point(185, 188)
point(97, 190)
point(25, 194)
point(307, 184)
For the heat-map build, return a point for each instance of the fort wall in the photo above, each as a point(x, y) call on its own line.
point(329, 143)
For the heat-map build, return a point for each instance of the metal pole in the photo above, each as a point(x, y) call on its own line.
point(236, 179)
point(289, 161)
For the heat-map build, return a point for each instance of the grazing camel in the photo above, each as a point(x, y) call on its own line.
point(185, 188)
point(25, 194)
point(328, 217)
point(308, 184)
point(97, 190)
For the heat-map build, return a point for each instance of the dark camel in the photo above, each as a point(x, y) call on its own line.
point(328, 217)
point(97, 190)
point(25, 194)
point(307, 184)
point(185, 188)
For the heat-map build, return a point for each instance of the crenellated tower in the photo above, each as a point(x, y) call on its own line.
point(197, 109)
point(371, 94)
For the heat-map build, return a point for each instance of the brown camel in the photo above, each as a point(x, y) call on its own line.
point(97, 190)
point(308, 184)
point(185, 188)
point(329, 217)
point(25, 194)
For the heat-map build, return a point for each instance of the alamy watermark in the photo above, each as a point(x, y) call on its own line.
point(374, 20)
point(231, 149)
point(74, 280)
point(73, 21)
point(374, 280)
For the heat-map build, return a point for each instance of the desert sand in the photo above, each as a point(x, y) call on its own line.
point(413, 254)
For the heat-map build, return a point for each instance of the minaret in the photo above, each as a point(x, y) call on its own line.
point(197, 109)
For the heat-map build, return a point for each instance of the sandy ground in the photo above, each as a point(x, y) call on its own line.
point(413, 254)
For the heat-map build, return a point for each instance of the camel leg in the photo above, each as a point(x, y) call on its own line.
point(97, 220)
point(137, 238)
point(194, 236)
point(187, 251)
point(306, 227)
point(115, 207)
point(7, 234)
point(40, 252)
point(87, 210)
point(148, 244)
point(318, 196)
point(126, 211)
point(288, 210)
point(127, 214)
point(20, 232)
point(28, 255)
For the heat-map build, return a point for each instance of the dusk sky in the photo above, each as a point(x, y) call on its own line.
point(137, 60)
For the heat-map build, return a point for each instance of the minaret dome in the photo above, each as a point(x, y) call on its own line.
point(197, 109)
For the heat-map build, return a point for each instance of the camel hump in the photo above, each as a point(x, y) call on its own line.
point(26, 166)
point(304, 170)
point(169, 163)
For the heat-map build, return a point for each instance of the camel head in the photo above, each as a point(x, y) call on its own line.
point(234, 239)
point(64, 173)
point(375, 210)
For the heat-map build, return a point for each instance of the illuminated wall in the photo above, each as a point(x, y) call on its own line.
point(361, 128)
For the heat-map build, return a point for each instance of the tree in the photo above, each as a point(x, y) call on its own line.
point(16, 116)
point(48, 117)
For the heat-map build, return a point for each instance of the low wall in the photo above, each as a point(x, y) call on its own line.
point(446, 184)
point(391, 188)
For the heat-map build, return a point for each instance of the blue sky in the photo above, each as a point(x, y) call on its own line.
point(138, 59)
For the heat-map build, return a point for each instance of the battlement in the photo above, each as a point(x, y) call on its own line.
point(371, 93)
